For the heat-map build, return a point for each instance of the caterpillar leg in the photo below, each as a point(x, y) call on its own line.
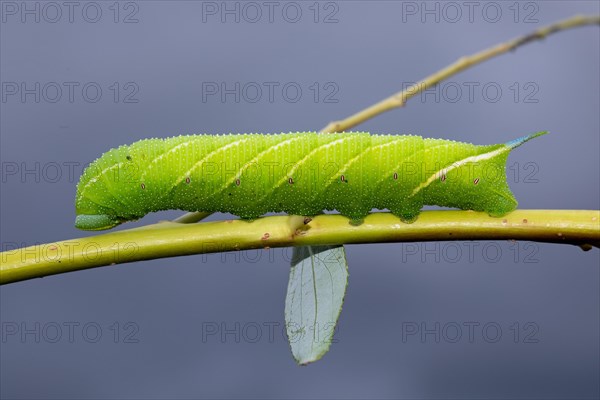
point(357, 221)
point(408, 211)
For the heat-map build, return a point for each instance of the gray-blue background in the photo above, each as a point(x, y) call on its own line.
point(369, 53)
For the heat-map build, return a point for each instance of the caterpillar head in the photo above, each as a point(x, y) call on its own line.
point(103, 198)
point(97, 210)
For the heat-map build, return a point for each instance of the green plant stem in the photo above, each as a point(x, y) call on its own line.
point(192, 217)
point(399, 99)
point(170, 239)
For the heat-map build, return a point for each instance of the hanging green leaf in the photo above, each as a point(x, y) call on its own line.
point(316, 289)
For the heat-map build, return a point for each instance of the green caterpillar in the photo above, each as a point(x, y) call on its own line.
point(300, 173)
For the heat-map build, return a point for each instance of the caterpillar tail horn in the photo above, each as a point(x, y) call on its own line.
point(519, 141)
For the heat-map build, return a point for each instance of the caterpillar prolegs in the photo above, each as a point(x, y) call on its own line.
point(300, 173)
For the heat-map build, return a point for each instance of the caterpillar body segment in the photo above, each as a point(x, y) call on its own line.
point(300, 173)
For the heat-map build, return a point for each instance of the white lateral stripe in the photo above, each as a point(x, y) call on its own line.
point(95, 178)
point(411, 157)
point(161, 156)
point(245, 166)
point(303, 160)
point(209, 155)
point(299, 164)
point(345, 167)
point(457, 164)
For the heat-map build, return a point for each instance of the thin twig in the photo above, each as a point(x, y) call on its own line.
point(399, 99)
point(192, 217)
